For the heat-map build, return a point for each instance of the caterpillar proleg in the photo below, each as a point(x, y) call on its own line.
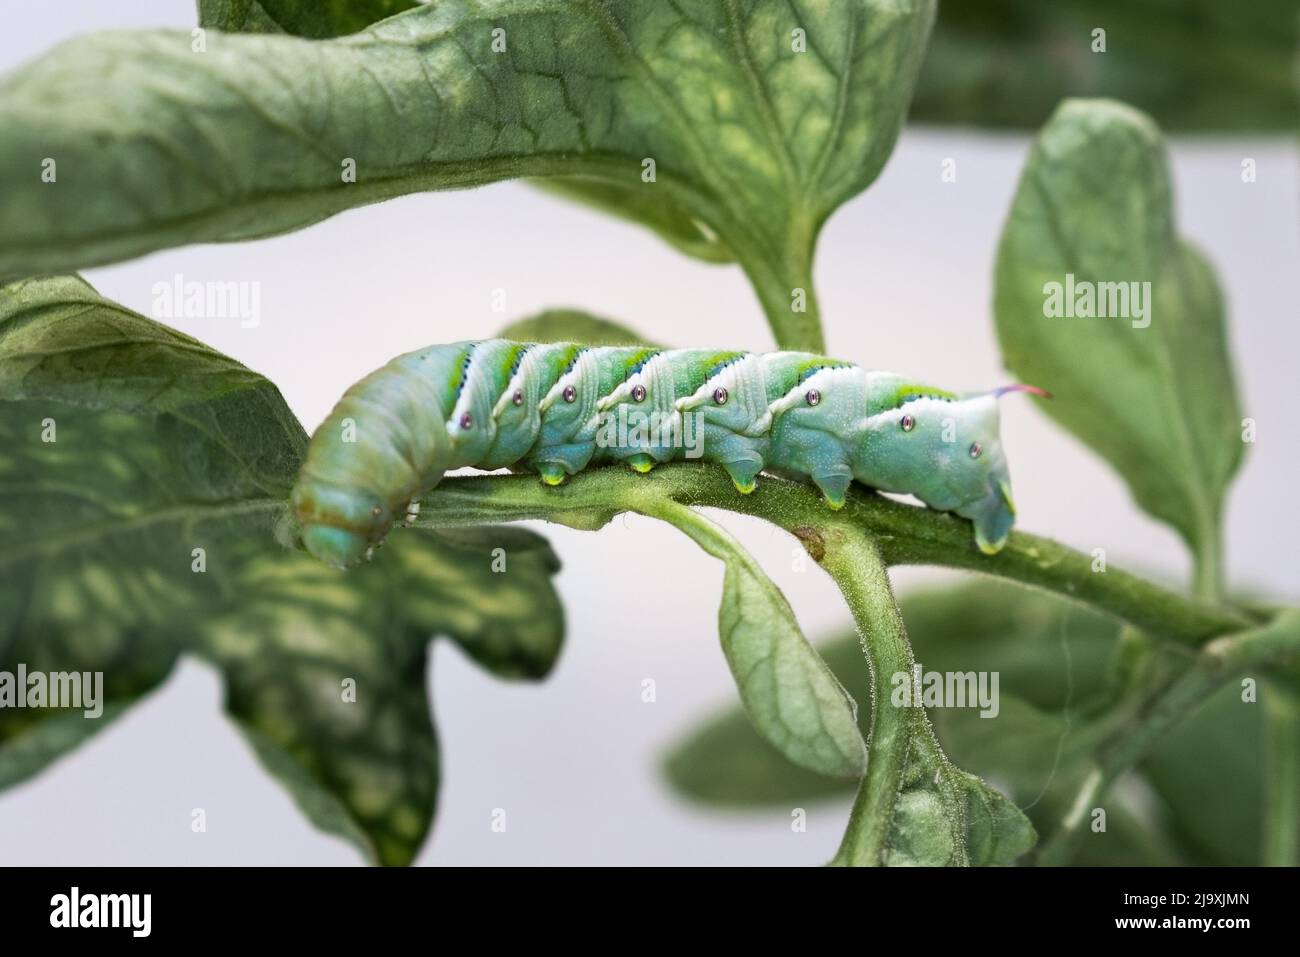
point(557, 408)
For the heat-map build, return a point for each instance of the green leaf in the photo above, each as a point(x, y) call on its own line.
point(132, 666)
point(157, 145)
point(304, 18)
point(1041, 758)
point(945, 816)
point(913, 806)
point(1103, 683)
point(627, 201)
point(1193, 64)
point(1058, 667)
point(572, 325)
point(325, 677)
point(325, 673)
point(125, 448)
point(997, 832)
point(793, 699)
point(1211, 772)
point(726, 763)
point(489, 589)
point(1055, 663)
point(983, 625)
point(237, 16)
point(1156, 400)
point(789, 692)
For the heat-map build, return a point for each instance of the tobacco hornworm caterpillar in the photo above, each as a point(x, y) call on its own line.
point(556, 408)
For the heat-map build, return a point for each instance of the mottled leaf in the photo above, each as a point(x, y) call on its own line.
point(325, 673)
point(755, 119)
point(142, 481)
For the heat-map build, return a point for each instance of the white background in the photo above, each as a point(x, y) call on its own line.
point(904, 275)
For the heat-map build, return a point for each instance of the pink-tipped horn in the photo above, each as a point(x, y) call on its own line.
point(1018, 387)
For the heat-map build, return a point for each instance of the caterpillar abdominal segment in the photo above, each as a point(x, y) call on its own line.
point(557, 408)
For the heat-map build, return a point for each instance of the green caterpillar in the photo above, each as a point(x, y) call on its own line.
point(557, 408)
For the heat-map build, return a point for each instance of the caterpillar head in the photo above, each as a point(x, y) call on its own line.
point(339, 526)
point(948, 453)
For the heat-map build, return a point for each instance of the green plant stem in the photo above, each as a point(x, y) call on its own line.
point(1218, 662)
point(1281, 830)
point(856, 545)
point(860, 573)
point(1207, 571)
point(904, 534)
point(848, 555)
point(775, 277)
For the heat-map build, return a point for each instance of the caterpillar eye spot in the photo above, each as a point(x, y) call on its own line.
point(466, 421)
point(518, 398)
point(975, 450)
point(570, 393)
point(638, 393)
point(377, 510)
point(813, 397)
point(720, 396)
point(907, 423)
